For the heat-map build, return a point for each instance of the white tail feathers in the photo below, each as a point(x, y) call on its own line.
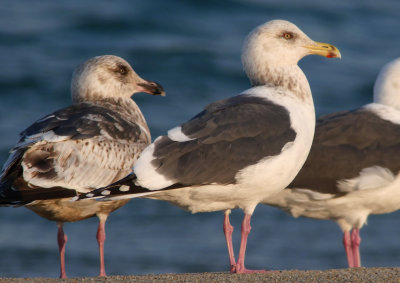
point(369, 178)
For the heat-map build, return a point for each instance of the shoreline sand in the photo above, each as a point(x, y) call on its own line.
point(382, 274)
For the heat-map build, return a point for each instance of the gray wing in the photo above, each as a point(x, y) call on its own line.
point(78, 148)
point(344, 144)
point(226, 137)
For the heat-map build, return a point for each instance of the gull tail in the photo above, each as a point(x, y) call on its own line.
point(122, 189)
point(13, 197)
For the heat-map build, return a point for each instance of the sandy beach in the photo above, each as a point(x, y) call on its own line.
point(334, 275)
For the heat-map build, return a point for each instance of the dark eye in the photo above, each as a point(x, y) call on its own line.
point(122, 69)
point(287, 35)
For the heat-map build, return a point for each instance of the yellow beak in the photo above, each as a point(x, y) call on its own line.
point(324, 49)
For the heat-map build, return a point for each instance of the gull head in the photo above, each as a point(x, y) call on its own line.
point(279, 45)
point(108, 76)
point(387, 85)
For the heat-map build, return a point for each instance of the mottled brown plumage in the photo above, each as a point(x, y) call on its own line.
point(87, 145)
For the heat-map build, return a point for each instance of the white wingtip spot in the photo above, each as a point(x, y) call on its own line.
point(90, 195)
point(105, 193)
point(124, 188)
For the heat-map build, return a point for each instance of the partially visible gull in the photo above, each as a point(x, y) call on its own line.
point(87, 145)
point(350, 172)
point(239, 150)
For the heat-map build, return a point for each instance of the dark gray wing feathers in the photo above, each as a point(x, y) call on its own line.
point(226, 137)
point(344, 144)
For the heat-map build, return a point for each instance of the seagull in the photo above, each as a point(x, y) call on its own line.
point(76, 149)
point(351, 170)
point(239, 150)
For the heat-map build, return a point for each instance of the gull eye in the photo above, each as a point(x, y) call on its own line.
point(287, 35)
point(122, 69)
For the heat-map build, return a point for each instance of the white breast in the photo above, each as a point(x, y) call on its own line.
point(275, 173)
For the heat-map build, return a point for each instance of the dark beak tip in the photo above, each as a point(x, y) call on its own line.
point(153, 88)
point(159, 90)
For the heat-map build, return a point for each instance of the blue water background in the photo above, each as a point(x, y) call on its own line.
point(193, 49)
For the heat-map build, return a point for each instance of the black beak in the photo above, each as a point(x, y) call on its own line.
point(152, 88)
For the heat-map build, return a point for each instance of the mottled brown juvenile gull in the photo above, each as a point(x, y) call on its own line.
point(239, 150)
point(85, 146)
point(350, 172)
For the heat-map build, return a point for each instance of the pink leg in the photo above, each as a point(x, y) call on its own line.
point(101, 237)
point(62, 241)
point(347, 248)
point(228, 230)
point(243, 243)
point(355, 244)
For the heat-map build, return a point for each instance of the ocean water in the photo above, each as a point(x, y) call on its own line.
point(193, 49)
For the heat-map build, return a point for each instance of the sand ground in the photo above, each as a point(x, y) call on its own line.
point(334, 275)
